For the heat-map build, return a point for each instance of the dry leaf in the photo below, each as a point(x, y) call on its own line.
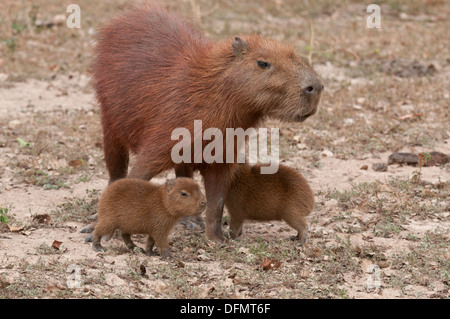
point(56, 244)
point(14, 229)
point(316, 252)
point(276, 264)
point(409, 116)
point(76, 163)
point(268, 264)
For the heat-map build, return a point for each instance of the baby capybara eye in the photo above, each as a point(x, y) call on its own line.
point(263, 64)
point(184, 194)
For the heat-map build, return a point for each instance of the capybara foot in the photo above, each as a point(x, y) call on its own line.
point(88, 239)
point(98, 247)
point(151, 253)
point(92, 217)
point(301, 238)
point(215, 233)
point(87, 229)
point(139, 249)
point(235, 233)
point(166, 254)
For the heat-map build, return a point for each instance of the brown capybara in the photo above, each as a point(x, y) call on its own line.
point(135, 206)
point(153, 72)
point(284, 195)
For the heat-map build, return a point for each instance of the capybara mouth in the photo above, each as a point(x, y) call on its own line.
point(200, 210)
point(303, 117)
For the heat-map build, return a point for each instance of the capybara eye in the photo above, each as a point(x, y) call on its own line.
point(263, 64)
point(184, 194)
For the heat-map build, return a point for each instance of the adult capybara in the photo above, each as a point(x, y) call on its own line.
point(284, 195)
point(153, 72)
point(135, 206)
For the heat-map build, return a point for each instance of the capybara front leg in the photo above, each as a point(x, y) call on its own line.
point(215, 187)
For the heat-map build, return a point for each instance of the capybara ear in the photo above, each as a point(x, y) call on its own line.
point(170, 183)
point(240, 47)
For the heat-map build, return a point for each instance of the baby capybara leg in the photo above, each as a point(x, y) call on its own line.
point(101, 229)
point(129, 243)
point(235, 227)
point(96, 245)
point(162, 242)
point(298, 223)
point(149, 247)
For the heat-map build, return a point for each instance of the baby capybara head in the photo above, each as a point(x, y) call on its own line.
point(184, 197)
point(275, 79)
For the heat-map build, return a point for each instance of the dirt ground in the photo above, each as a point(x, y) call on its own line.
point(373, 234)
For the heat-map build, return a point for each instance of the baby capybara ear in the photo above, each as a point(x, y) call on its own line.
point(170, 183)
point(240, 47)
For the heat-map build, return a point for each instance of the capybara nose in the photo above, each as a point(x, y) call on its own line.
point(315, 88)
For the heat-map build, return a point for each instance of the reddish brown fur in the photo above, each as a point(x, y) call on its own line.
point(135, 206)
point(284, 195)
point(153, 73)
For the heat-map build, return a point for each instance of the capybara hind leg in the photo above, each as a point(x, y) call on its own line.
point(116, 158)
point(299, 224)
point(129, 243)
point(101, 229)
point(96, 245)
point(235, 227)
point(143, 169)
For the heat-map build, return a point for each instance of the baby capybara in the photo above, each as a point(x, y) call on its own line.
point(135, 206)
point(284, 195)
point(153, 72)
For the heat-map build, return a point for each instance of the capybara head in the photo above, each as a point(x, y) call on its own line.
point(184, 197)
point(274, 79)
